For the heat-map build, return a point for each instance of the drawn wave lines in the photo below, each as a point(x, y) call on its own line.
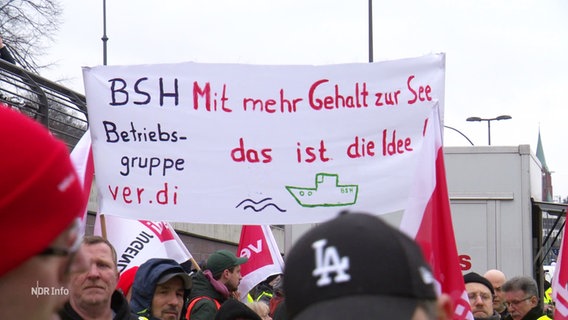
point(255, 204)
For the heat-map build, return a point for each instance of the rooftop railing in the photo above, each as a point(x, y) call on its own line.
point(61, 110)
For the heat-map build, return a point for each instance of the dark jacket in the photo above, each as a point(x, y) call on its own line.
point(144, 285)
point(6, 55)
point(118, 304)
point(205, 309)
point(534, 314)
point(495, 316)
point(280, 312)
point(233, 309)
point(504, 314)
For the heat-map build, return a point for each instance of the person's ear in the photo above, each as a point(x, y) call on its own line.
point(445, 307)
point(534, 301)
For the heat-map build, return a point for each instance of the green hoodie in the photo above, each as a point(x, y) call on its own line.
point(205, 286)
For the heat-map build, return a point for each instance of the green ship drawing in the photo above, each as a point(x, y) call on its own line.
point(327, 192)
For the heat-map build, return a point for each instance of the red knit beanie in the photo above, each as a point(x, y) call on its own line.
point(40, 194)
point(126, 279)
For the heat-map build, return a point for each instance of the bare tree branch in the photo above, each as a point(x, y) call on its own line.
point(28, 27)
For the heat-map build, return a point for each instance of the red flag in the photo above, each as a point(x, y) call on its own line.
point(82, 159)
point(258, 244)
point(560, 282)
point(428, 218)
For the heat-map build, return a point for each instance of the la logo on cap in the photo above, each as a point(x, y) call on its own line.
point(328, 261)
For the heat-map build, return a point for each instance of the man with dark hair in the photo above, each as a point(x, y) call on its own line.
point(215, 285)
point(521, 298)
point(356, 266)
point(93, 293)
point(160, 289)
point(480, 293)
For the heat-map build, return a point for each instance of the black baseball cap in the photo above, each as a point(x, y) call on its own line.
point(355, 266)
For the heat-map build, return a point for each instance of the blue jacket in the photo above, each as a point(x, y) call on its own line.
point(144, 285)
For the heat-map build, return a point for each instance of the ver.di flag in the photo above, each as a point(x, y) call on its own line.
point(136, 241)
point(82, 159)
point(560, 282)
point(428, 219)
point(258, 244)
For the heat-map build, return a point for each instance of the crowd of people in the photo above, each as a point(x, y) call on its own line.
point(355, 266)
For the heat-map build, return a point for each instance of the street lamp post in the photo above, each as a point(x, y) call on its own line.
point(370, 30)
point(104, 38)
point(462, 134)
point(502, 117)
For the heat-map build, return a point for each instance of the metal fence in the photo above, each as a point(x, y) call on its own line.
point(61, 110)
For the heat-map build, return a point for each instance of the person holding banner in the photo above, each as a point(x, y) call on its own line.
point(214, 285)
point(356, 266)
point(40, 202)
point(160, 289)
point(93, 294)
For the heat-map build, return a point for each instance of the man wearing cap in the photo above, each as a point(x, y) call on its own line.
point(497, 279)
point(356, 266)
point(159, 290)
point(215, 285)
point(41, 199)
point(480, 293)
point(92, 293)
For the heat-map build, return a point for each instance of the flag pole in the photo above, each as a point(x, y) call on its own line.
point(103, 226)
point(194, 264)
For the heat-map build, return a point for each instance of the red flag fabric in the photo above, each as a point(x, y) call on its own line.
point(258, 244)
point(82, 159)
point(560, 282)
point(428, 218)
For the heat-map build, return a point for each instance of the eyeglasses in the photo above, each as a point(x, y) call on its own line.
point(74, 236)
point(60, 252)
point(484, 296)
point(516, 302)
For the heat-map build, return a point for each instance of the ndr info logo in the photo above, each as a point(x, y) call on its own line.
point(49, 291)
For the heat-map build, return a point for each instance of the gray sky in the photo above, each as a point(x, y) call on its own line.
point(502, 57)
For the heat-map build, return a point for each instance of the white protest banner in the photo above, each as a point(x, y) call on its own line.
point(136, 241)
point(252, 144)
